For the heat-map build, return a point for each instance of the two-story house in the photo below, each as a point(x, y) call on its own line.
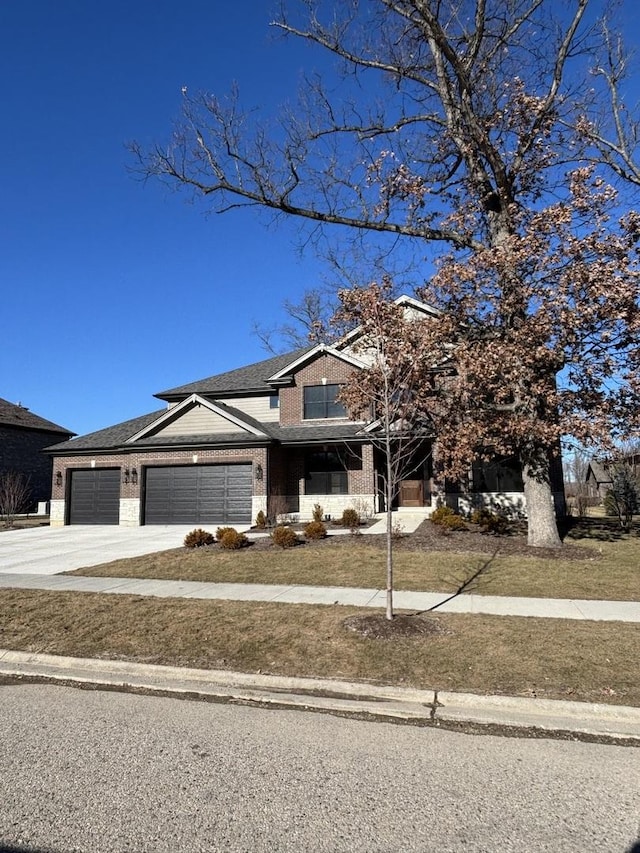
point(23, 436)
point(271, 435)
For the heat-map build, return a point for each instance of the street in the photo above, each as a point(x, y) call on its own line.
point(99, 771)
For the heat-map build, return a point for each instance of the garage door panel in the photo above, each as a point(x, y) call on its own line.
point(190, 494)
point(94, 496)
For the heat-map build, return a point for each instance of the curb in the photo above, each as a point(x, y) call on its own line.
point(613, 722)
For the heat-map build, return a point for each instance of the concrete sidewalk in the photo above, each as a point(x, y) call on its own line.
point(556, 608)
point(380, 702)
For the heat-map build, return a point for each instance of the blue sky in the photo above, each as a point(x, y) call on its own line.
point(113, 290)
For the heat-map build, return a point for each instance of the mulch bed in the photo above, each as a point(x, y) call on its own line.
point(377, 627)
point(431, 537)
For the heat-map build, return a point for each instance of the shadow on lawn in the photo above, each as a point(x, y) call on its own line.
point(470, 583)
point(598, 529)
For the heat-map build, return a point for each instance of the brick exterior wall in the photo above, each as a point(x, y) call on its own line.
point(130, 493)
point(21, 451)
point(326, 367)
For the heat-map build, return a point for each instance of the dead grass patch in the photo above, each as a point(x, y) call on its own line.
point(600, 569)
point(589, 661)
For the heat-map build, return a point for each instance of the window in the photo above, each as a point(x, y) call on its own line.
point(499, 475)
point(274, 401)
point(326, 474)
point(320, 402)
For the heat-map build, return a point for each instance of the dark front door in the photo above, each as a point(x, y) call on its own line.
point(198, 494)
point(94, 496)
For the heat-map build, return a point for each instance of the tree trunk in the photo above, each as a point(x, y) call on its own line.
point(389, 498)
point(541, 512)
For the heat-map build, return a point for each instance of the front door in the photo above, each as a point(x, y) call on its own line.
point(411, 493)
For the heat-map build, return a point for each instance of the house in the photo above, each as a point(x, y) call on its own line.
point(23, 436)
point(269, 436)
point(599, 476)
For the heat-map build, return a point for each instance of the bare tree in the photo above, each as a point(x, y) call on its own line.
point(575, 468)
point(390, 388)
point(308, 323)
point(461, 126)
point(15, 493)
point(612, 128)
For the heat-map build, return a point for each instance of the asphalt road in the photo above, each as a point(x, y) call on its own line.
point(95, 771)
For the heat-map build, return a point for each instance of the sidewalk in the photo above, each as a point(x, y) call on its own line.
point(494, 605)
point(370, 701)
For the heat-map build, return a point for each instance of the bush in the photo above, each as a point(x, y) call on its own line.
point(232, 540)
point(318, 512)
point(447, 519)
point(261, 520)
point(221, 531)
point(197, 538)
point(440, 513)
point(491, 521)
point(623, 498)
point(284, 537)
point(453, 522)
point(350, 518)
point(315, 530)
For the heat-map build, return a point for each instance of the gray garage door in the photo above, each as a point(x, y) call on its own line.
point(94, 496)
point(198, 494)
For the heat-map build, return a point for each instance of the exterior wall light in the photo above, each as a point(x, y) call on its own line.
point(58, 478)
point(126, 476)
point(259, 472)
point(134, 476)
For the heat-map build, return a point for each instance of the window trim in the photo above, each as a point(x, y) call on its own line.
point(325, 403)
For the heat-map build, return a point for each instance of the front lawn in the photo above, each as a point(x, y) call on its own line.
point(596, 562)
point(550, 658)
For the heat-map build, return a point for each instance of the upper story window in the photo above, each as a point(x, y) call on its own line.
point(274, 401)
point(320, 402)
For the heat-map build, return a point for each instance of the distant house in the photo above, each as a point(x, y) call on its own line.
point(270, 434)
point(599, 476)
point(23, 435)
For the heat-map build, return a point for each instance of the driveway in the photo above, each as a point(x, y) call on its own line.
point(49, 550)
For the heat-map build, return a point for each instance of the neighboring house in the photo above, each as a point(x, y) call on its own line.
point(23, 436)
point(599, 477)
point(270, 436)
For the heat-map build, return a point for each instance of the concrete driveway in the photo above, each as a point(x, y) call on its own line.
point(49, 550)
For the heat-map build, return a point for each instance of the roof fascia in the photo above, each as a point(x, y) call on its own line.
point(411, 302)
point(320, 349)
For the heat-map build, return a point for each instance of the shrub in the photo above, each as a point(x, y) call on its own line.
point(623, 498)
point(446, 518)
point(453, 522)
point(197, 538)
point(221, 531)
point(232, 540)
point(440, 513)
point(491, 521)
point(315, 530)
point(397, 531)
point(284, 537)
point(350, 518)
point(318, 512)
point(261, 520)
